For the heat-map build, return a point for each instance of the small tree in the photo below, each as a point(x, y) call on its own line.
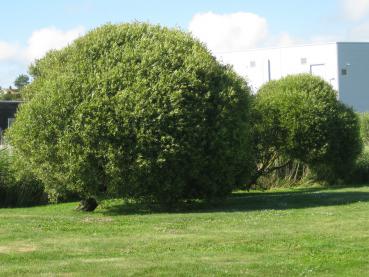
point(21, 81)
point(300, 118)
point(137, 111)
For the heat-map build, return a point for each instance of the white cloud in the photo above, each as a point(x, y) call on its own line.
point(8, 51)
point(15, 59)
point(285, 39)
point(229, 32)
point(355, 9)
point(43, 40)
point(359, 32)
point(240, 31)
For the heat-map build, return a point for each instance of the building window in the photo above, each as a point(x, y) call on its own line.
point(10, 121)
point(252, 64)
point(344, 71)
point(303, 60)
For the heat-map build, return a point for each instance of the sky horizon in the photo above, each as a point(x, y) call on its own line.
point(31, 28)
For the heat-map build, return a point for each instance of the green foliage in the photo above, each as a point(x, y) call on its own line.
point(17, 186)
point(11, 96)
point(364, 127)
point(5, 176)
point(360, 173)
point(299, 118)
point(294, 174)
point(21, 81)
point(138, 111)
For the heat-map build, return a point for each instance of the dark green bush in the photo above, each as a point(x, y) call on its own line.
point(16, 187)
point(138, 111)
point(360, 173)
point(299, 118)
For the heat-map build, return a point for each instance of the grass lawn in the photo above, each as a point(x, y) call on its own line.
point(311, 232)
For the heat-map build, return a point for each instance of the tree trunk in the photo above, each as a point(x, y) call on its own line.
point(87, 205)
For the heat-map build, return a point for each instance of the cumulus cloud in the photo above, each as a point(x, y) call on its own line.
point(43, 40)
point(355, 9)
point(8, 51)
point(14, 59)
point(285, 39)
point(229, 32)
point(240, 31)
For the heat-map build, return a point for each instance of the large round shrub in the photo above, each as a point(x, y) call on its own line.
point(299, 118)
point(138, 111)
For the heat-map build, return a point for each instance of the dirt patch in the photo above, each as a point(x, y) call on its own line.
point(17, 249)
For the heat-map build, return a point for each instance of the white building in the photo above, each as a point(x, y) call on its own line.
point(345, 65)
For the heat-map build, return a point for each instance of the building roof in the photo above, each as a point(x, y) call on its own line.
point(11, 101)
point(291, 46)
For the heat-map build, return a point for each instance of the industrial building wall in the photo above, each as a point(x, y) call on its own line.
point(261, 65)
point(353, 65)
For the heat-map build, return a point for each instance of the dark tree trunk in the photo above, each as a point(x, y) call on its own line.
point(264, 171)
point(87, 205)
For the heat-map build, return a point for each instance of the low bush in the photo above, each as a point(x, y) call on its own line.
point(360, 173)
point(18, 188)
point(15, 96)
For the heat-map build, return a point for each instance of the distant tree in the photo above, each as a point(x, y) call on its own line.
point(21, 81)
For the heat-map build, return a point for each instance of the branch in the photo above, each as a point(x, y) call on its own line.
point(278, 167)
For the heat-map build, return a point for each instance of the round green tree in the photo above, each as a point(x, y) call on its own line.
point(299, 118)
point(21, 81)
point(138, 111)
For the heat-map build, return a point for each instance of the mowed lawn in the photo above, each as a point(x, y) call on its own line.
point(312, 232)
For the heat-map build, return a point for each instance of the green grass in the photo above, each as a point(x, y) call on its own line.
point(311, 232)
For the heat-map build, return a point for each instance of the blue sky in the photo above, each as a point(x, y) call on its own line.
point(30, 28)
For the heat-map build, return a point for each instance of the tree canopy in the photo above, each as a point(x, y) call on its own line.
point(21, 81)
point(138, 111)
point(299, 117)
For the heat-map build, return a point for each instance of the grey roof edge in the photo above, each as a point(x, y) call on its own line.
point(290, 46)
point(12, 101)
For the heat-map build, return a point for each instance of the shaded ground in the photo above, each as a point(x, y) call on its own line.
point(253, 201)
point(281, 233)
